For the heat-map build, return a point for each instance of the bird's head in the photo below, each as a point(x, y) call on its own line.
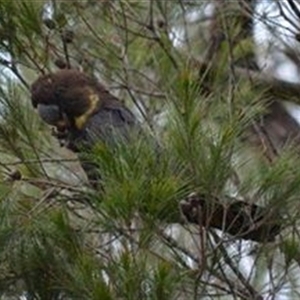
point(66, 99)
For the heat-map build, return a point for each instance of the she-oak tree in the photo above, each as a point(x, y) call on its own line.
point(225, 137)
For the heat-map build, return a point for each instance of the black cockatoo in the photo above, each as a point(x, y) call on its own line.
point(82, 111)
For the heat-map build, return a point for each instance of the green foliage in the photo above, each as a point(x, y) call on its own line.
point(59, 239)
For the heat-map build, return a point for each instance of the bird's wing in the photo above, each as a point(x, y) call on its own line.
point(110, 127)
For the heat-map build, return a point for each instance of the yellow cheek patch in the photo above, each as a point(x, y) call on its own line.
point(93, 104)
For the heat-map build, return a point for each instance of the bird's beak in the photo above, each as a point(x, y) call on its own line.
point(52, 115)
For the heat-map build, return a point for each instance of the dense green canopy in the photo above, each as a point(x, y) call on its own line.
point(189, 75)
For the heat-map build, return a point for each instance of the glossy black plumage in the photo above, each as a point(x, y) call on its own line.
point(83, 112)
